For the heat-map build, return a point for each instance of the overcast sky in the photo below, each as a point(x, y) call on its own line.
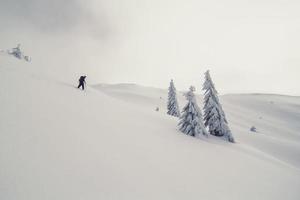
point(249, 46)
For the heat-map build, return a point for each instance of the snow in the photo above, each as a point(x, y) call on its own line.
point(214, 116)
point(172, 104)
point(108, 142)
point(191, 122)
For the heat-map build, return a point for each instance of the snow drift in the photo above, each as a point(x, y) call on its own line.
point(58, 142)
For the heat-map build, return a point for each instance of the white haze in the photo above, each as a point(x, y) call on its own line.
point(249, 46)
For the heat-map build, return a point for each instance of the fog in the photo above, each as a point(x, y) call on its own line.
point(249, 46)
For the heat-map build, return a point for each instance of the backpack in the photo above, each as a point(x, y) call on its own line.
point(81, 79)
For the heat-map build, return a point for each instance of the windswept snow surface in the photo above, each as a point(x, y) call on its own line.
point(58, 142)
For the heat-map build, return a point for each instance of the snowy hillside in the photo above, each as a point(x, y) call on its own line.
point(58, 142)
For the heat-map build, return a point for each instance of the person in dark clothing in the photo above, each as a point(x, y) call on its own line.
point(81, 82)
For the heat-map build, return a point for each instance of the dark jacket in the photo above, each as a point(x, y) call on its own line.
point(82, 79)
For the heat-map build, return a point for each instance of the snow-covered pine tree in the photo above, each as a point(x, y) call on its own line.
point(173, 108)
point(214, 116)
point(191, 122)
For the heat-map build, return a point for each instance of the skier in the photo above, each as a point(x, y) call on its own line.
point(81, 82)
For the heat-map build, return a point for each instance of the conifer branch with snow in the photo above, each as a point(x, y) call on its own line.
point(191, 122)
point(214, 116)
point(173, 108)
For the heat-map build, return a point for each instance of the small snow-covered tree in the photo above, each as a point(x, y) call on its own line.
point(214, 116)
point(191, 119)
point(173, 108)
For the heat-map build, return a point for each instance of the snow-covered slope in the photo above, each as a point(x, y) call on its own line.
point(58, 142)
point(276, 117)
